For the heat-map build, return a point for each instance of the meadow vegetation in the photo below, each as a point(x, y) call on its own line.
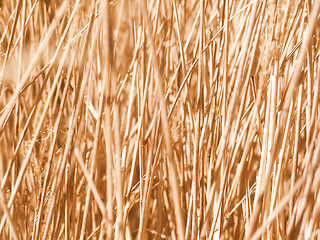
point(159, 119)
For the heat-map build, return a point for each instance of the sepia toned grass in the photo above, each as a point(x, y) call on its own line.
point(159, 119)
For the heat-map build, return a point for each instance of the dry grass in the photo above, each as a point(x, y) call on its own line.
point(159, 119)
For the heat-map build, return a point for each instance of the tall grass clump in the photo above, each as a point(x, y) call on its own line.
point(175, 119)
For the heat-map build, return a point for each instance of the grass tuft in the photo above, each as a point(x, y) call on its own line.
point(159, 119)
